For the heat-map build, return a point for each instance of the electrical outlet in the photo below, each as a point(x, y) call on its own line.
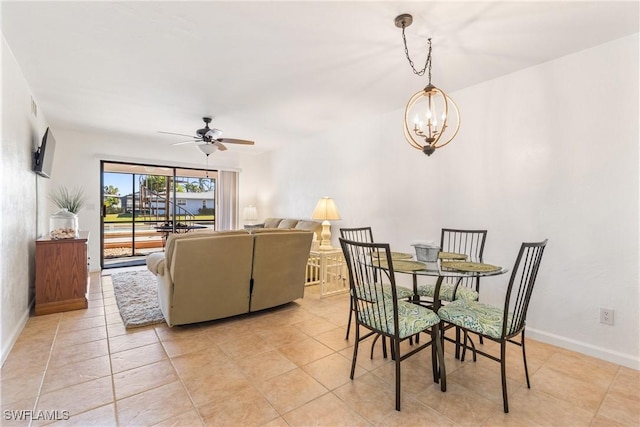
point(606, 316)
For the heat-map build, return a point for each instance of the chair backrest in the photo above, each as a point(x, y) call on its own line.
point(467, 242)
point(523, 277)
point(374, 308)
point(359, 234)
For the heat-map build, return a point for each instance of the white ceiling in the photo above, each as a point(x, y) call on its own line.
point(275, 72)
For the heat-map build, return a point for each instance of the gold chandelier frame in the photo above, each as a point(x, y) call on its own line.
point(427, 138)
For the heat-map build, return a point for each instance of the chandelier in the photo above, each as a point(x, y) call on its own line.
point(431, 118)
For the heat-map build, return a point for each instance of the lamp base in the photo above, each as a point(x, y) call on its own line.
point(325, 236)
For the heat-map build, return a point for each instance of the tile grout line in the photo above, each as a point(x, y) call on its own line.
point(46, 368)
point(180, 380)
point(606, 394)
point(113, 386)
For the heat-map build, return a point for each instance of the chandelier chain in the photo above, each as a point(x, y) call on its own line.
point(427, 64)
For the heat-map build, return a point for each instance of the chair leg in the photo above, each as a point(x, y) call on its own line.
point(396, 348)
point(441, 371)
point(524, 358)
point(350, 316)
point(355, 351)
point(384, 346)
point(468, 342)
point(473, 346)
point(503, 371)
point(434, 356)
point(392, 348)
point(457, 342)
point(464, 347)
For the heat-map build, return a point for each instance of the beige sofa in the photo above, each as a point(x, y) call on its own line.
point(212, 275)
point(294, 224)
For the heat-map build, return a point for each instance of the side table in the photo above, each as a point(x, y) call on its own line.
point(328, 269)
point(62, 274)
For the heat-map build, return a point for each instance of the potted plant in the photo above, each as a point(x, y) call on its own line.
point(64, 224)
point(71, 200)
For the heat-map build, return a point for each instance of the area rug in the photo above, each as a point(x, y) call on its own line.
point(137, 297)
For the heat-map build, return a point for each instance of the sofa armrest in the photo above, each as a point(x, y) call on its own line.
point(156, 263)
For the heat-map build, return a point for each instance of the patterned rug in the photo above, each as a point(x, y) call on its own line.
point(137, 298)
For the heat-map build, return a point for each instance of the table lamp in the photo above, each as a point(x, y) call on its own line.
point(250, 214)
point(325, 210)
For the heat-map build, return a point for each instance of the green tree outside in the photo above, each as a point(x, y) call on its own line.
point(111, 203)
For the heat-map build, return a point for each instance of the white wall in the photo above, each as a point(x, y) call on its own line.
point(22, 196)
point(255, 185)
point(547, 152)
point(77, 162)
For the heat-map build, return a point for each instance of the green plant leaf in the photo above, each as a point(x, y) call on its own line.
point(72, 200)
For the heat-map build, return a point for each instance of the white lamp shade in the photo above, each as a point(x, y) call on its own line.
point(250, 213)
point(326, 210)
point(207, 148)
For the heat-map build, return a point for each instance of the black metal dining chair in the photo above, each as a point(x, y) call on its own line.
point(460, 244)
point(365, 235)
point(500, 324)
point(380, 312)
point(454, 243)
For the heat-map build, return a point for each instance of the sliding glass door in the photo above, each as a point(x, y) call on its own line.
point(144, 204)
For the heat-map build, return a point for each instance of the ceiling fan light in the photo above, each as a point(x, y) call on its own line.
point(214, 133)
point(207, 148)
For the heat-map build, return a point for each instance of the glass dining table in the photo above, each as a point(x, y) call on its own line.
point(450, 266)
point(443, 268)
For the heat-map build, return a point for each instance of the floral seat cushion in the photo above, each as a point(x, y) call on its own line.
point(446, 292)
point(475, 316)
point(412, 318)
point(401, 292)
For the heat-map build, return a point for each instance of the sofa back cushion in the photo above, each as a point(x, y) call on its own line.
point(272, 222)
point(279, 263)
point(170, 244)
point(288, 223)
point(314, 226)
point(211, 277)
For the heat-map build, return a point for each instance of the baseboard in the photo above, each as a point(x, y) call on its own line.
point(7, 346)
point(627, 360)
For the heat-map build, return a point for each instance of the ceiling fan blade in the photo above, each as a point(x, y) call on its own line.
point(220, 145)
point(180, 134)
point(186, 142)
point(235, 141)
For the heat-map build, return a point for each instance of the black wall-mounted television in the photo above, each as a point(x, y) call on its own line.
point(43, 158)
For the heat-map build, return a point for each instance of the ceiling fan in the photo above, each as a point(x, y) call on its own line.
point(210, 139)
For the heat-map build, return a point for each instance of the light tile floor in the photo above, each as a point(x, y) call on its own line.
point(285, 367)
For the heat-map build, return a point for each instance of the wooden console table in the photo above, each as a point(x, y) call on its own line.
point(62, 274)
